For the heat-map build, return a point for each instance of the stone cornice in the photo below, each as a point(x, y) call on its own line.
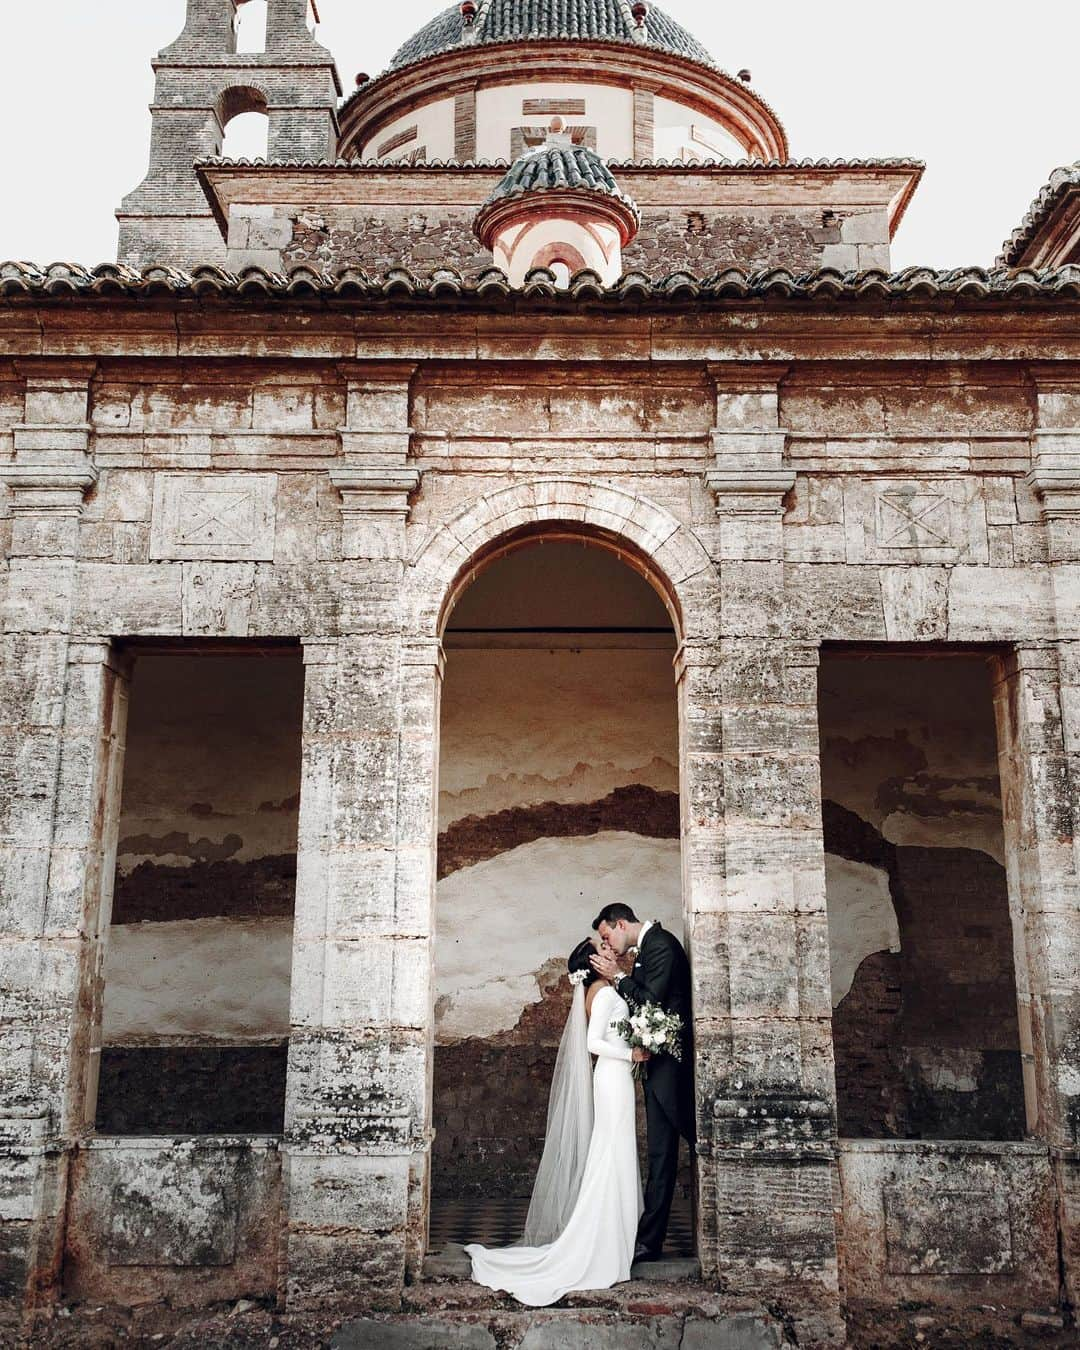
point(743, 185)
point(48, 490)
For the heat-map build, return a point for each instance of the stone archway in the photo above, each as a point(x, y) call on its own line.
point(676, 564)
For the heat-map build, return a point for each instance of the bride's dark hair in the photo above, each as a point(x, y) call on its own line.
point(579, 959)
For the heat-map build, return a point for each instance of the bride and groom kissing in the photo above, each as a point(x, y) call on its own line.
point(588, 1220)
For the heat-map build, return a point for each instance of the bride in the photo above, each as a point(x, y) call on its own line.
point(583, 1216)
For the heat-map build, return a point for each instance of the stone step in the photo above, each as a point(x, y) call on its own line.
point(562, 1330)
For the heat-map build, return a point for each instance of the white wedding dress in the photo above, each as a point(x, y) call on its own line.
point(596, 1248)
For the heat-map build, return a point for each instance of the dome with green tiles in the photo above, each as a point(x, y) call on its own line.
point(547, 20)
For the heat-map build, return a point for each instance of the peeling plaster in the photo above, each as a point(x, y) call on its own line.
point(862, 918)
point(501, 921)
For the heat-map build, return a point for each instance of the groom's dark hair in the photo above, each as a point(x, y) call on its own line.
point(613, 913)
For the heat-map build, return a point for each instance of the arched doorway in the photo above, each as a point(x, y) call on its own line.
point(558, 793)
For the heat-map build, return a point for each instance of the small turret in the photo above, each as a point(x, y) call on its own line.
point(558, 207)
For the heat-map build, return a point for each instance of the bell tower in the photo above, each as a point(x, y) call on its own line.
point(202, 82)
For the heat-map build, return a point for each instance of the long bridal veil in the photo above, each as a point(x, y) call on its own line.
point(569, 1128)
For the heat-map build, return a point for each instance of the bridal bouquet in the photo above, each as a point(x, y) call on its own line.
point(651, 1028)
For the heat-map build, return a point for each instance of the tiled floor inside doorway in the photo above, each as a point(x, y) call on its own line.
point(497, 1223)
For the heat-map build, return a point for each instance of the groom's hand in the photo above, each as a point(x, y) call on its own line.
point(605, 964)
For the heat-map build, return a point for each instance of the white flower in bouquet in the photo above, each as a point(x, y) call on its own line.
point(651, 1028)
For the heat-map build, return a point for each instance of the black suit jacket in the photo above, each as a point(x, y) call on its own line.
point(661, 974)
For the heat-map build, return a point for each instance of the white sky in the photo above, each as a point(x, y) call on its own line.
point(986, 93)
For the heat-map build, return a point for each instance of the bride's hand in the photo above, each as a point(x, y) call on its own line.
point(604, 964)
point(639, 1056)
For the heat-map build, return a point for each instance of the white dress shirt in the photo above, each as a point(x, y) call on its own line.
point(636, 949)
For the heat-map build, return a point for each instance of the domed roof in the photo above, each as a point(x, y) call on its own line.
point(553, 168)
point(539, 20)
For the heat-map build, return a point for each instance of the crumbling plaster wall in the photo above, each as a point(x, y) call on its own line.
point(196, 1011)
point(925, 1012)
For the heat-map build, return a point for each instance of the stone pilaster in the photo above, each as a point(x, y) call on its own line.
point(1039, 735)
point(465, 125)
point(644, 124)
point(748, 475)
point(375, 478)
point(1055, 461)
point(52, 470)
point(1038, 741)
point(767, 1100)
point(358, 1085)
point(64, 707)
point(63, 758)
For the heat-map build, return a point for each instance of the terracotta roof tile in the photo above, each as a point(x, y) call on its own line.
point(823, 286)
point(1061, 180)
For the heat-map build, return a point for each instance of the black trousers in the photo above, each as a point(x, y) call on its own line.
point(667, 1118)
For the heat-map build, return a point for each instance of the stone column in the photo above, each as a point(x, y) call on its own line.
point(64, 706)
point(1038, 717)
point(761, 956)
point(361, 988)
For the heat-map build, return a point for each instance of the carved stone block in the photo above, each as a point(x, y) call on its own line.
point(181, 1226)
point(223, 516)
point(965, 1232)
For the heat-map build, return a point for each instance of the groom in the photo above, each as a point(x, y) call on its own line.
point(660, 974)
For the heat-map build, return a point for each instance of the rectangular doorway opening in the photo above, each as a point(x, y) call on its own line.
point(198, 953)
point(926, 1033)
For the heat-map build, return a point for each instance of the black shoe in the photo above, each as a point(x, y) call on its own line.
point(644, 1254)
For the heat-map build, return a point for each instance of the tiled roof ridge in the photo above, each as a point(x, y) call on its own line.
point(1068, 175)
point(616, 165)
point(821, 285)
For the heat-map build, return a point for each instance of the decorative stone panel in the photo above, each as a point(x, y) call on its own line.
point(947, 1221)
point(964, 1232)
point(226, 516)
point(926, 520)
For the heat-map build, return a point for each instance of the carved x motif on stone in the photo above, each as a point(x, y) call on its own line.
point(216, 518)
point(909, 519)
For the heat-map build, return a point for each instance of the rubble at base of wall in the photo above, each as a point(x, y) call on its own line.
point(636, 1316)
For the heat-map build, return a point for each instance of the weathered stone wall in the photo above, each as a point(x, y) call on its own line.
point(371, 488)
point(671, 239)
point(198, 954)
point(925, 1029)
point(558, 794)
